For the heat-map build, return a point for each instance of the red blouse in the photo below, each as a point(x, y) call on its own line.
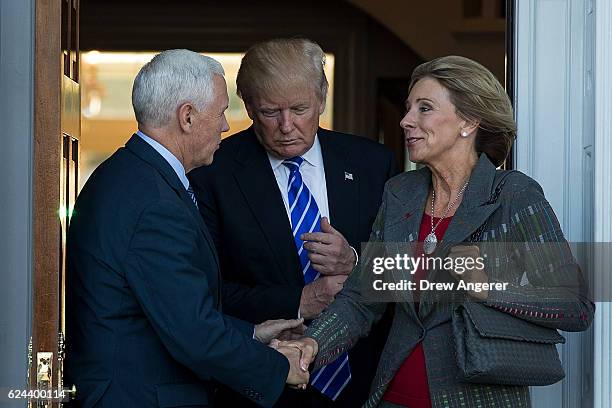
point(409, 387)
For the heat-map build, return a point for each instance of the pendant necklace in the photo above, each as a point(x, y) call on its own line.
point(429, 245)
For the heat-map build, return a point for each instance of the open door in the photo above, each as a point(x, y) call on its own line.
point(391, 99)
point(56, 166)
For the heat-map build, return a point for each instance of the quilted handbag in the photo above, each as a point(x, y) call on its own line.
point(493, 347)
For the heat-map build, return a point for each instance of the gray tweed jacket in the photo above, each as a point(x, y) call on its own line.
point(553, 297)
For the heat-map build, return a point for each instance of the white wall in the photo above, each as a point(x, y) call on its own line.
point(554, 102)
point(16, 80)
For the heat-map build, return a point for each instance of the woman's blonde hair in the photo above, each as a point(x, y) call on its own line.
point(478, 97)
point(278, 66)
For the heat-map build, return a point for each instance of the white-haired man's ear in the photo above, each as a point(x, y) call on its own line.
point(185, 116)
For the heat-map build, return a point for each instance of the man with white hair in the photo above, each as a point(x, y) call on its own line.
point(144, 320)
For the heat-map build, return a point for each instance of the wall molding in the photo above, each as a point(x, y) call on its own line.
point(552, 60)
point(603, 200)
point(524, 60)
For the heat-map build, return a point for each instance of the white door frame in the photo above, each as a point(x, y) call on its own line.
point(603, 201)
point(554, 99)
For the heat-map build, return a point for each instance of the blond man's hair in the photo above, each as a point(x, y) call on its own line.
point(278, 66)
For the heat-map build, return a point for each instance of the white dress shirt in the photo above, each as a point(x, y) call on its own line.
point(175, 163)
point(313, 175)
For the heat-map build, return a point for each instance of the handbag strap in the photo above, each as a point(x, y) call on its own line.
point(499, 185)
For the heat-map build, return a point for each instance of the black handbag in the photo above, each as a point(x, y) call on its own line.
point(493, 347)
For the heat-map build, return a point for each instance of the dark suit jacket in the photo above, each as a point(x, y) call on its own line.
point(520, 215)
point(144, 326)
point(243, 208)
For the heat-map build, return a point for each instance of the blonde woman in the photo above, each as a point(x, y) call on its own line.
point(459, 125)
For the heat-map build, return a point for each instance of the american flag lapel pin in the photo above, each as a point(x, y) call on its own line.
point(348, 176)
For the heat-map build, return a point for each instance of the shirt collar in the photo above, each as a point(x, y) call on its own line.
point(168, 156)
point(313, 156)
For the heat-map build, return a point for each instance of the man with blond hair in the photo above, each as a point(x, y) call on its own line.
point(288, 204)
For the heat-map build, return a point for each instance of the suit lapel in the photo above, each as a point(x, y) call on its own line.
point(473, 212)
point(258, 184)
point(414, 198)
point(147, 153)
point(474, 209)
point(411, 200)
point(342, 183)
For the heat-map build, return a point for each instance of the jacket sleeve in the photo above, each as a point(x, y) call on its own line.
point(177, 298)
point(545, 283)
point(351, 315)
point(259, 303)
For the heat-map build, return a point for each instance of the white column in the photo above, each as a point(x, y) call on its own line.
point(554, 146)
point(603, 201)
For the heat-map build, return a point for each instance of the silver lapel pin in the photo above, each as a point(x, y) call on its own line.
point(348, 176)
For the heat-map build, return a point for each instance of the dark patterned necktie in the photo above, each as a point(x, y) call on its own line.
point(192, 195)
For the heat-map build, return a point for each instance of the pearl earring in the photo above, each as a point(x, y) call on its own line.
point(464, 133)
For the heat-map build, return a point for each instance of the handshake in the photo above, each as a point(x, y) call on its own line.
point(300, 353)
point(287, 337)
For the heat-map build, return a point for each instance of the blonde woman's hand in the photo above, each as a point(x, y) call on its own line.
point(470, 269)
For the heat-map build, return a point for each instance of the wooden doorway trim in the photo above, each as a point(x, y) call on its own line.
point(46, 176)
point(55, 175)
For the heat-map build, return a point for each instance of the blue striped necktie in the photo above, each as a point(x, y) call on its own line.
point(192, 195)
point(305, 217)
